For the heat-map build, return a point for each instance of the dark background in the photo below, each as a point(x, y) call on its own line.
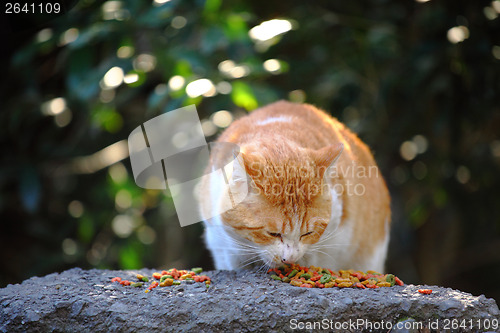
point(418, 81)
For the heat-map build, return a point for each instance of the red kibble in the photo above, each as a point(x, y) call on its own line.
point(281, 276)
point(306, 285)
point(157, 276)
point(316, 278)
point(398, 281)
point(116, 279)
point(425, 291)
point(270, 270)
point(125, 283)
point(164, 273)
point(360, 285)
point(372, 286)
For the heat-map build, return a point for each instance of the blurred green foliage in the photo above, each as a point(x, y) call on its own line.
point(418, 81)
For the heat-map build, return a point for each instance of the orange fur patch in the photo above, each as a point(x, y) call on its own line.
point(286, 149)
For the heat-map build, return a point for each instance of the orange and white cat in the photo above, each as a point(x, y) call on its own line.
point(315, 195)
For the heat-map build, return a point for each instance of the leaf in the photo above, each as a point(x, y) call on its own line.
point(130, 258)
point(243, 96)
point(85, 229)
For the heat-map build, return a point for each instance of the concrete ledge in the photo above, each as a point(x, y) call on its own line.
point(86, 301)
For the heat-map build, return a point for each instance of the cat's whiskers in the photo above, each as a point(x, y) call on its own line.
point(251, 261)
point(322, 252)
point(328, 236)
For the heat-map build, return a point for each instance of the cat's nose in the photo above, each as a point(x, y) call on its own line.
point(286, 261)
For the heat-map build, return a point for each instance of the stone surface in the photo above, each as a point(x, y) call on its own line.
point(86, 301)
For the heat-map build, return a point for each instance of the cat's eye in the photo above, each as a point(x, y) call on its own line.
point(274, 234)
point(306, 234)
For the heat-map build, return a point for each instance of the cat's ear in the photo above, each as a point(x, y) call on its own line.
point(327, 156)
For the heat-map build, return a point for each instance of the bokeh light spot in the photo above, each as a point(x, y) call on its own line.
point(178, 22)
point(458, 34)
point(113, 78)
point(69, 247)
point(272, 65)
point(122, 225)
point(222, 118)
point(462, 174)
point(75, 209)
point(176, 82)
point(144, 62)
point(146, 235)
point(269, 29)
point(125, 52)
point(224, 87)
point(208, 127)
point(199, 87)
point(54, 106)
point(123, 199)
point(408, 150)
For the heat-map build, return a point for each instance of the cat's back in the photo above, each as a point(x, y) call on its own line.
point(302, 123)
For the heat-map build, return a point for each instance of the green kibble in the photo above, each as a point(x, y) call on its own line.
point(275, 277)
point(390, 278)
point(164, 277)
point(292, 273)
point(176, 282)
point(197, 270)
point(145, 279)
point(137, 284)
point(306, 276)
point(286, 279)
point(325, 278)
point(189, 279)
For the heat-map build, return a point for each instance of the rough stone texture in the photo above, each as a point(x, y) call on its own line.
point(86, 301)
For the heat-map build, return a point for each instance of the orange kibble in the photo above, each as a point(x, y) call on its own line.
point(398, 281)
point(425, 291)
point(157, 276)
point(166, 283)
point(360, 285)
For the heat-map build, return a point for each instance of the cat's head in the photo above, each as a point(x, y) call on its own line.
point(289, 203)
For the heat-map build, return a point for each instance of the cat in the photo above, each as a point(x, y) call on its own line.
point(315, 195)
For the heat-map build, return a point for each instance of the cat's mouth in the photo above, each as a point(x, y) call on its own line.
point(279, 261)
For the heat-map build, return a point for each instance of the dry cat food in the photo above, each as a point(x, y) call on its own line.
point(167, 278)
point(317, 277)
point(425, 291)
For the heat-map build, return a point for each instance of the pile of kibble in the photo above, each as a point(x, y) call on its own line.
point(166, 278)
point(318, 277)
